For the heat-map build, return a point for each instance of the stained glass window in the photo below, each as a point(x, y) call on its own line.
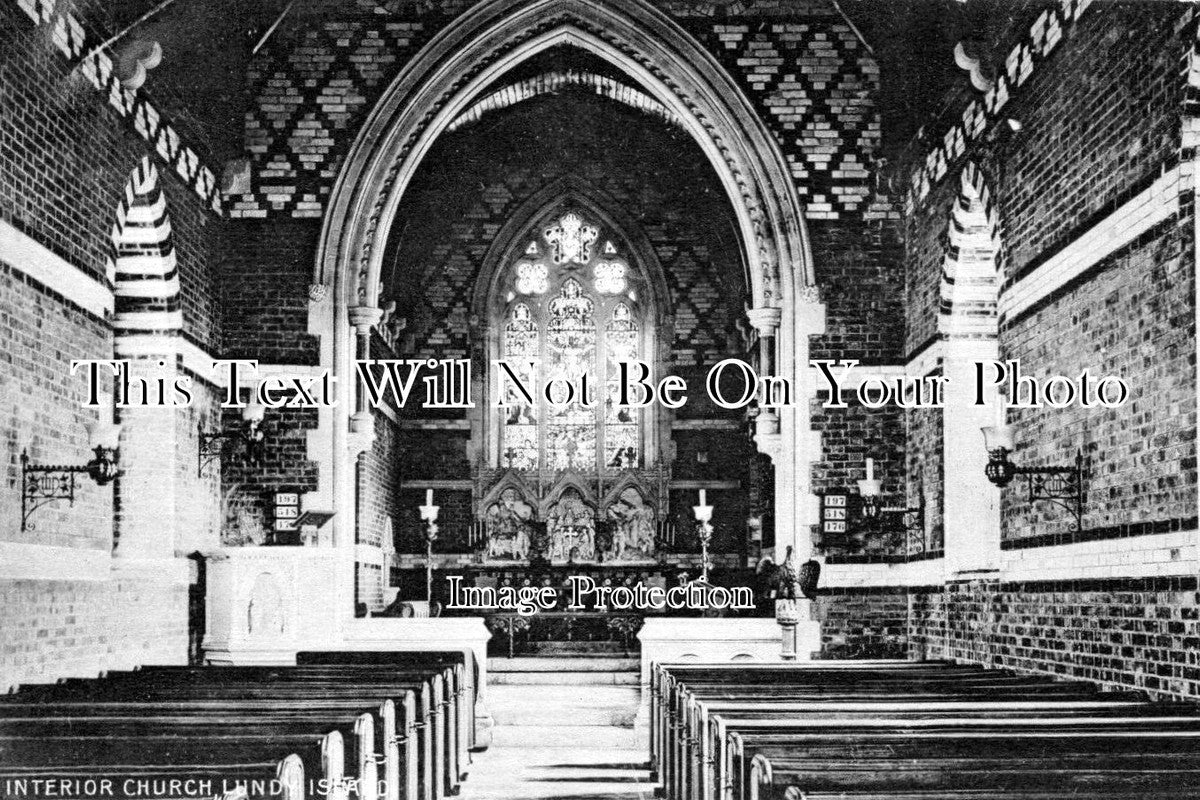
point(520, 423)
point(573, 321)
point(620, 422)
point(571, 352)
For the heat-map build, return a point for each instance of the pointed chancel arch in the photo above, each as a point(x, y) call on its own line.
point(453, 71)
point(489, 40)
point(143, 270)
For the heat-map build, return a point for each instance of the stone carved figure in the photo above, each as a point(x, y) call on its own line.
point(572, 526)
point(509, 527)
point(634, 525)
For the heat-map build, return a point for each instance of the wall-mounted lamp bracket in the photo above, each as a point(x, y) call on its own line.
point(250, 434)
point(1062, 486)
point(45, 483)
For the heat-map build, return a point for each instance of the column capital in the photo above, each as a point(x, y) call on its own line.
point(363, 318)
point(765, 319)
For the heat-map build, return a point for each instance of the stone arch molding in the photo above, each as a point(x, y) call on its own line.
point(445, 78)
point(488, 41)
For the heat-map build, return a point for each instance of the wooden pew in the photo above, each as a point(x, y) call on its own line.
point(767, 714)
point(470, 684)
point(748, 738)
point(677, 761)
point(225, 774)
point(781, 773)
point(260, 692)
point(715, 771)
point(438, 742)
point(401, 755)
point(665, 677)
point(452, 722)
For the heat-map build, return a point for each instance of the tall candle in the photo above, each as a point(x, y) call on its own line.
point(870, 469)
point(703, 498)
point(429, 497)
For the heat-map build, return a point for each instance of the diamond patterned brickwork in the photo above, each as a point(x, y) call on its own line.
point(815, 85)
point(314, 88)
point(806, 72)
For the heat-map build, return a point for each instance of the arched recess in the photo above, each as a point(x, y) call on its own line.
point(968, 324)
point(970, 273)
point(449, 74)
point(569, 193)
point(143, 270)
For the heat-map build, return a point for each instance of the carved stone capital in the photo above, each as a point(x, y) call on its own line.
point(363, 318)
point(765, 319)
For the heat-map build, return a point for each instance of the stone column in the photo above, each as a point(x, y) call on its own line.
point(149, 457)
point(971, 504)
point(766, 321)
point(362, 421)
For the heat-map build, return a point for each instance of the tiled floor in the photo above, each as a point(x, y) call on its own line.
point(565, 773)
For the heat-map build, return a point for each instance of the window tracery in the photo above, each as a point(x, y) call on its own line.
point(571, 326)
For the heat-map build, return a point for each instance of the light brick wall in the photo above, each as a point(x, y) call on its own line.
point(41, 410)
point(67, 150)
point(59, 629)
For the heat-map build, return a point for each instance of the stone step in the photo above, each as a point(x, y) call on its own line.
point(619, 696)
point(550, 718)
point(586, 737)
point(573, 678)
point(573, 664)
point(551, 706)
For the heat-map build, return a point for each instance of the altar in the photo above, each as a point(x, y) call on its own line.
point(574, 521)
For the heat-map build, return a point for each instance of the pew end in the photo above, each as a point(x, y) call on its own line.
point(290, 775)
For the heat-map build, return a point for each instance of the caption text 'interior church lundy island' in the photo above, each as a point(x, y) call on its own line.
point(599, 399)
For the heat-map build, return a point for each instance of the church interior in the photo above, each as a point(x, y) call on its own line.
point(316, 313)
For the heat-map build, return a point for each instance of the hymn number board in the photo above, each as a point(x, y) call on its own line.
point(287, 510)
point(833, 513)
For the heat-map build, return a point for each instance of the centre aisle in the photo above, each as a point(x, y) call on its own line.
point(564, 729)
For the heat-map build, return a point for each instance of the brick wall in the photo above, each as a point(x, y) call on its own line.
point(40, 333)
point(1133, 317)
point(849, 436)
point(63, 629)
point(265, 275)
point(1100, 112)
point(863, 623)
point(1120, 633)
point(68, 148)
point(65, 158)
